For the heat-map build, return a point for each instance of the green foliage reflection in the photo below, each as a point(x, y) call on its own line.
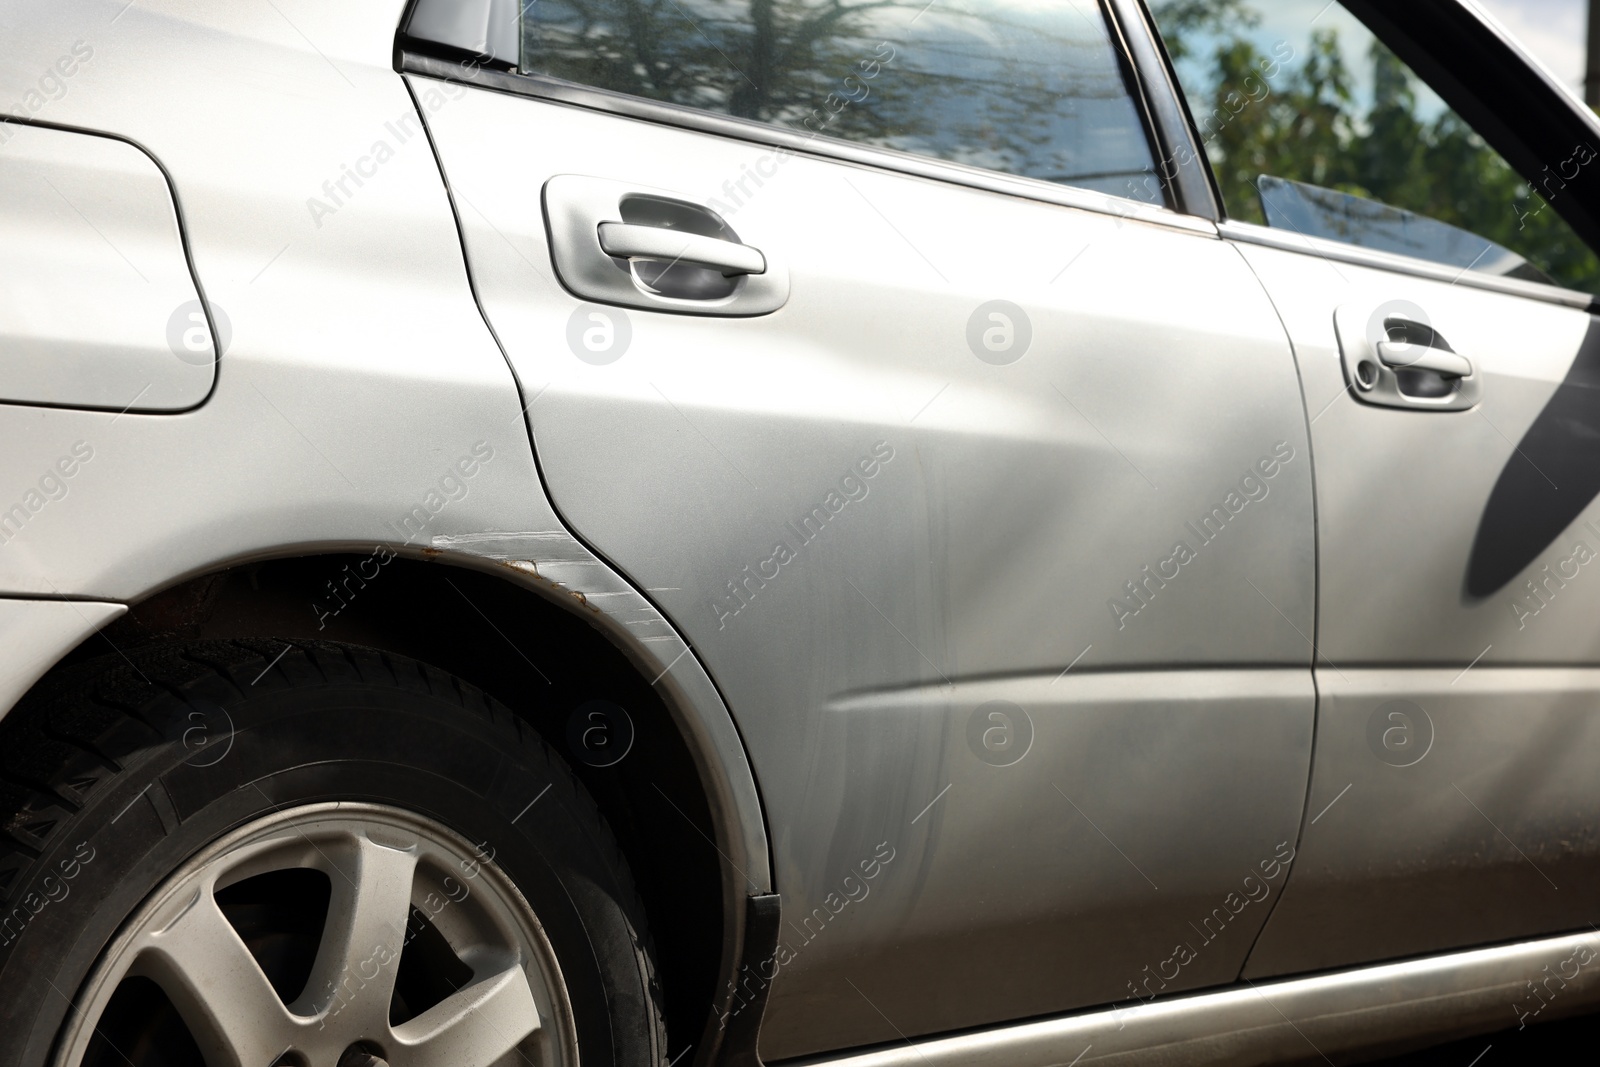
point(1309, 123)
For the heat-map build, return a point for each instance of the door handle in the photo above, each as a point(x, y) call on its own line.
point(1393, 357)
point(627, 241)
point(617, 242)
point(1404, 356)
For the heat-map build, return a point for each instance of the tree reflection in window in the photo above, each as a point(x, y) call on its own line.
point(1301, 90)
point(1026, 87)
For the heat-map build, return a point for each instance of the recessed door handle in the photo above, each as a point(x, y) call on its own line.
point(1422, 357)
point(627, 241)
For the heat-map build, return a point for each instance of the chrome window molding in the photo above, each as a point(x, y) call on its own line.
point(1338, 252)
point(560, 91)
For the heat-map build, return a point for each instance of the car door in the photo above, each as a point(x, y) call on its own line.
point(1454, 433)
point(979, 481)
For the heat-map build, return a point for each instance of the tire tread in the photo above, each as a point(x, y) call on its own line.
point(88, 722)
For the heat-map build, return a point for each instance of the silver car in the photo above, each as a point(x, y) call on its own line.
point(878, 533)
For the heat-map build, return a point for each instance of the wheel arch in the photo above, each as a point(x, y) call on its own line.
point(543, 648)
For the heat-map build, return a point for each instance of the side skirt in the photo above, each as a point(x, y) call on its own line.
point(1326, 1018)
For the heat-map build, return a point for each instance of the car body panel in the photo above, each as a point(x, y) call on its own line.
point(1455, 728)
point(1011, 506)
point(37, 633)
point(984, 517)
point(377, 288)
point(1413, 857)
point(99, 307)
point(360, 375)
point(1344, 1017)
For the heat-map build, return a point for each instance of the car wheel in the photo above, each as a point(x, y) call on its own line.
point(256, 854)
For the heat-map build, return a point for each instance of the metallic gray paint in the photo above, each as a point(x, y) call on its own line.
point(1018, 500)
point(37, 633)
point(1488, 836)
point(980, 558)
point(92, 272)
point(360, 369)
point(1306, 1020)
point(1401, 494)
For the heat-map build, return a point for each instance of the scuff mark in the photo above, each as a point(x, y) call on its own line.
point(502, 544)
point(531, 568)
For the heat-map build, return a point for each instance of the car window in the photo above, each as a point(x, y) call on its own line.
point(1311, 123)
point(1026, 87)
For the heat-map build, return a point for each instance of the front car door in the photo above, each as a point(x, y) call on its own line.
point(1450, 375)
point(863, 340)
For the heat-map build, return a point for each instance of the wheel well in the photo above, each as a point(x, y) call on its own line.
point(541, 661)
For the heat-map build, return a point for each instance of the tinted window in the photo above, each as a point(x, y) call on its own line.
point(1027, 87)
point(1303, 94)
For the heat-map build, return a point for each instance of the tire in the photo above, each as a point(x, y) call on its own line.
point(291, 788)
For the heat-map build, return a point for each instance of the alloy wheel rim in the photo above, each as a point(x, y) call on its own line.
point(427, 955)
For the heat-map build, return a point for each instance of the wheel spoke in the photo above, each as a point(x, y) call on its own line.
point(377, 860)
point(473, 1027)
point(217, 986)
point(353, 977)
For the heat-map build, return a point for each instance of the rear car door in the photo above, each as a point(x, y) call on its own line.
point(1450, 374)
point(865, 340)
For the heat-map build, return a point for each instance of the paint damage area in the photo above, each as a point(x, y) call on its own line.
point(563, 558)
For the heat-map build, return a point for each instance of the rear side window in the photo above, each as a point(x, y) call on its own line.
point(1034, 88)
point(1312, 125)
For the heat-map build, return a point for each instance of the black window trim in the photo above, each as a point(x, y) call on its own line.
point(446, 64)
point(1175, 140)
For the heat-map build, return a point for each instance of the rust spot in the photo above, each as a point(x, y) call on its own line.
point(531, 569)
point(432, 553)
point(522, 566)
